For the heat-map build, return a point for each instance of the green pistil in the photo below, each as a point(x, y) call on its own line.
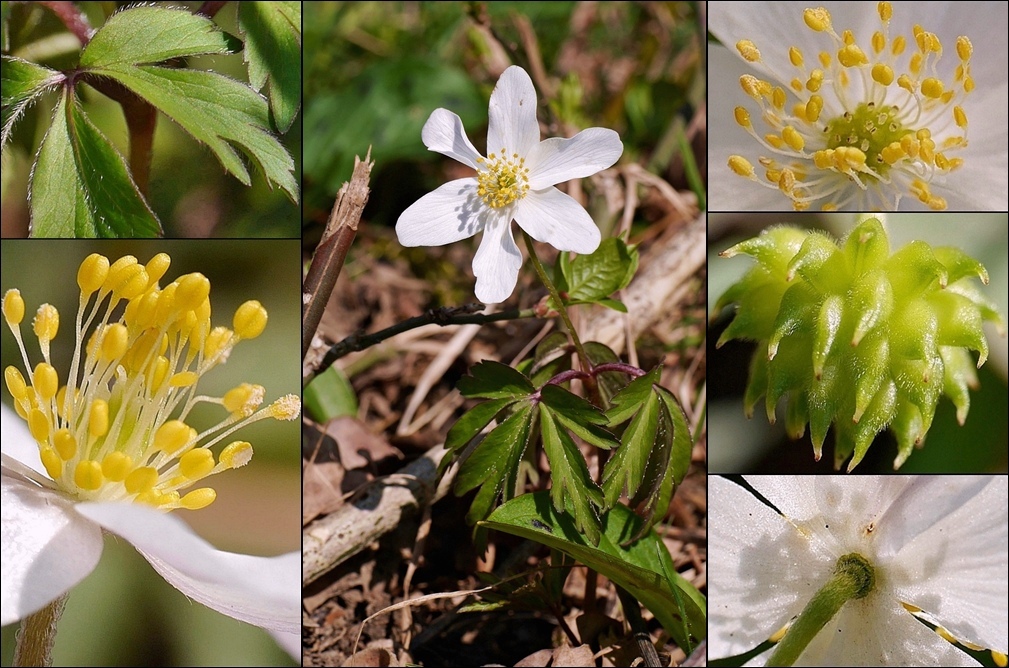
point(853, 578)
point(870, 129)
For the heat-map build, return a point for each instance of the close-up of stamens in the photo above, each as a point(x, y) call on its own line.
point(855, 111)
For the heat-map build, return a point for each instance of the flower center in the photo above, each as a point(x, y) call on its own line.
point(502, 180)
point(859, 127)
point(116, 431)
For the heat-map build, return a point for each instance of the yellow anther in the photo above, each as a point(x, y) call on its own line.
point(931, 87)
point(158, 373)
point(1000, 659)
point(65, 444)
point(198, 498)
point(815, 81)
point(742, 117)
point(193, 289)
point(892, 153)
point(948, 96)
point(141, 479)
point(852, 56)
point(116, 466)
point(52, 462)
point(917, 61)
point(848, 37)
point(250, 320)
point(173, 436)
point(795, 56)
point(183, 379)
point(793, 138)
point(115, 342)
point(748, 50)
point(778, 98)
point(38, 425)
point(217, 342)
point(910, 146)
point(882, 74)
point(898, 45)
point(98, 418)
point(88, 475)
point(817, 19)
point(813, 108)
point(197, 463)
point(16, 383)
point(945, 635)
point(287, 407)
point(955, 163)
point(13, 307)
point(751, 85)
point(964, 48)
point(786, 182)
point(772, 175)
point(796, 85)
point(936, 203)
point(236, 454)
point(824, 159)
point(45, 381)
point(46, 324)
point(825, 59)
point(968, 84)
point(878, 42)
point(156, 268)
point(244, 399)
point(905, 82)
point(779, 634)
point(885, 10)
point(740, 165)
point(942, 162)
point(126, 279)
point(92, 273)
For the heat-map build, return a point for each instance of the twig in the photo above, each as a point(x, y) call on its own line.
point(332, 249)
point(467, 314)
point(632, 613)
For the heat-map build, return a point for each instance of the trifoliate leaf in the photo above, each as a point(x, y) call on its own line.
point(273, 51)
point(80, 186)
point(578, 415)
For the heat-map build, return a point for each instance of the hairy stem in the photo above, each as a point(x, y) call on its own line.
point(73, 18)
point(35, 637)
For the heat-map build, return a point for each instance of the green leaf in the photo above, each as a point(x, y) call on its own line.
point(627, 401)
point(217, 111)
point(572, 488)
point(80, 186)
point(329, 396)
point(627, 467)
point(273, 51)
point(495, 461)
point(643, 568)
point(494, 380)
point(598, 275)
point(474, 420)
point(141, 35)
point(22, 82)
point(578, 415)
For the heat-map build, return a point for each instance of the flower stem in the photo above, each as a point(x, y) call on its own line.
point(558, 304)
point(853, 578)
point(35, 637)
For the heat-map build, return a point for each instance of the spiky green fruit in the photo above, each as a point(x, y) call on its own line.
point(857, 337)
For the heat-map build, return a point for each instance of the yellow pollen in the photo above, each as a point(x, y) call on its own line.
point(852, 56)
point(795, 56)
point(885, 10)
point(250, 320)
point(742, 117)
point(817, 19)
point(740, 165)
point(502, 181)
point(13, 307)
point(964, 49)
point(92, 273)
point(747, 50)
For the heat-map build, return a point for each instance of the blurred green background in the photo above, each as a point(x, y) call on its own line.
point(190, 192)
point(738, 445)
point(124, 613)
point(374, 72)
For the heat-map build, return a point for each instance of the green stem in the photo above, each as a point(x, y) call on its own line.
point(853, 578)
point(558, 304)
point(35, 637)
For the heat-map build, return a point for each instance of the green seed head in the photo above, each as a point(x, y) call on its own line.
point(857, 337)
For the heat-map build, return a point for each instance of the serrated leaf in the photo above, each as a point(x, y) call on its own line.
point(273, 51)
point(494, 380)
point(572, 488)
point(22, 82)
point(217, 111)
point(141, 35)
point(644, 568)
point(578, 415)
point(553, 345)
point(626, 469)
point(80, 186)
point(473, 421)
point(627, 401)
point(495, 461)
point(598, 275)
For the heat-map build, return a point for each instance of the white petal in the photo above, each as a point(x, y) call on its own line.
point(47, 547)
point(554, 218)
point(497, 261)
point(290, 643)
point(452, 212)
point(956, 569)
point(265, 591)
point(18, 442)
point(512, 123)
point(556, 160)
point(760, 570)
point(445, 134)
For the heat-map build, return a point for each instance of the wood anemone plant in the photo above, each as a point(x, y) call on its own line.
point(855, 336)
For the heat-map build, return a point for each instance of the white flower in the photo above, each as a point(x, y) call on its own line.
point(107, 445)
point(515, 181)
point(857, 105)
point(938, 545)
